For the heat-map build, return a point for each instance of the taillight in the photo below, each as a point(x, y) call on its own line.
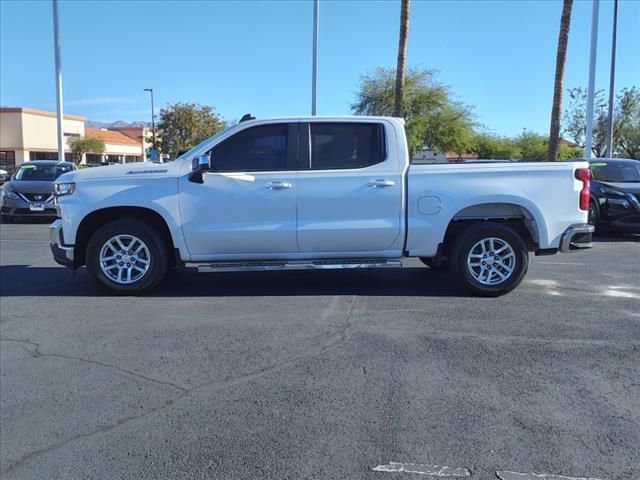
point(584, 175)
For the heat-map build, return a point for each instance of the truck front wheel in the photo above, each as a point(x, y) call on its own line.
point(489, 259)
point(127, 256)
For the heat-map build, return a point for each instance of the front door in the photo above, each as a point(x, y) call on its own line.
point(246, 206)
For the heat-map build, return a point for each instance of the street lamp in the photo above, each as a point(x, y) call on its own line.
point(153, 121)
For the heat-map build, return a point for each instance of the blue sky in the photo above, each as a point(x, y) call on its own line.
point(255, 56)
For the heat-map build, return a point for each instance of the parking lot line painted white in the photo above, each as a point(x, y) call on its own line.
point(421, 469)
point(537, 476)
point(622, 291)
point(550, 286)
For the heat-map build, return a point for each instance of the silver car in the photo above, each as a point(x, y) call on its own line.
point(29, 193)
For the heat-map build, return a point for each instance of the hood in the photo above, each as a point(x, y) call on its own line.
point(626, 187)
point(31, 186)
point(133, 170)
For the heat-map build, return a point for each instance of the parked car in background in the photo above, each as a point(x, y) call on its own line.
point(615, 194)
point(30, 191)
point(319, 193)
point(4, 176)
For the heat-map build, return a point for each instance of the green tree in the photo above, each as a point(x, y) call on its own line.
point(433, 119)
point(495, 148)
point(532, 146)
point(402, 57)
point(627, 117)
point(626, 124)
point(184, 125)
point(561, 56)
point(575, 120)
point(81, 145)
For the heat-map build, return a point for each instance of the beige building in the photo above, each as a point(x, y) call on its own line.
point(120, 148)
point(28, 134)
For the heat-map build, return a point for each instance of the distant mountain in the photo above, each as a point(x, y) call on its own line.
point(116, 124)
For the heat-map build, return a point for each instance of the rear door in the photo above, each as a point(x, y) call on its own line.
point(349, 189)
point(246, 206)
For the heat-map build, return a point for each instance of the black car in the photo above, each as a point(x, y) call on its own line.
point(615, 194)
point(30, 190)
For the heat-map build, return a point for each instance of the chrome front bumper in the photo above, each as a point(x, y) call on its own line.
point(576, 237)
point(62, 254)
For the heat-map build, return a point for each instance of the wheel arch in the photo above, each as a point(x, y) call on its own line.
point(520, 218)
point(97, 218)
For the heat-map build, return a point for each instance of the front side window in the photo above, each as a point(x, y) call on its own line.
point(346, 145)
point(262, 148)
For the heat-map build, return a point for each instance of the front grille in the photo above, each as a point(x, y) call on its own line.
point(37, 197)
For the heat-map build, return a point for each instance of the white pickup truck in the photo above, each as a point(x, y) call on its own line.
point(317, 192)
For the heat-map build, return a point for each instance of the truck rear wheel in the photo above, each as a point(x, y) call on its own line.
point(127, 256)
point(489, 259)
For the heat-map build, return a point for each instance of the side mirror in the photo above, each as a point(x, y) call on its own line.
point(199, 165)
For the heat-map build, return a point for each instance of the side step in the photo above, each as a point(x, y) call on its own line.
point(330, 264)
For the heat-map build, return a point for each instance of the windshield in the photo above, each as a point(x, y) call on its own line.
point(616, 171)
point(42, 173)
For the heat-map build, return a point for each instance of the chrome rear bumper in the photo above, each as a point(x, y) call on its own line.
point(576, 237)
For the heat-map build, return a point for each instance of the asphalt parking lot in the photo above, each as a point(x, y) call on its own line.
point(320, 375)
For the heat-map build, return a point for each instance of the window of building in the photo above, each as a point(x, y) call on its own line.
point(93, 159)
point(132, 158)
point(8, 161)
point(49, 156)
point(113, 158)
point(69, 134)
point(346, 145)
point(262, 148)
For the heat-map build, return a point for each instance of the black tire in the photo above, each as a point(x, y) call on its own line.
point(154, 242)
point(435, 263)
point(470, 238)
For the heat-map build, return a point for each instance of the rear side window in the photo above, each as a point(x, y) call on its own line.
point(262, 148)
point(346, 145)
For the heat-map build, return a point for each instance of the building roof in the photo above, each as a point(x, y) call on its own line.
point(110, 136)
point(42, 113)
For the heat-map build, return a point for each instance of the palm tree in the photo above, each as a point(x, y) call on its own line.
point(561, 56)
point(402, 57)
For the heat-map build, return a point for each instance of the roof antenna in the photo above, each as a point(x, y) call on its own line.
point(247, 116)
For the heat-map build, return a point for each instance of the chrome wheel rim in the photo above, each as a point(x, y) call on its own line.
point(125, 259)
point(491, 261)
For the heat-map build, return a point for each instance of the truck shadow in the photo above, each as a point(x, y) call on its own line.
point(27, 281)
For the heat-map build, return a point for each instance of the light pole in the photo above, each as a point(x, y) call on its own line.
point(56, 49)
point(314, 74)
point(153, 120)
point(592, 79)
point(612, 79)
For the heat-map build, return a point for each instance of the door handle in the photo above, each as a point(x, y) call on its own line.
point(277, 185)
point(381, 183)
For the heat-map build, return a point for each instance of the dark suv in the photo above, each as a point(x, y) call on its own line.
point(30, 190)
point(615, 194)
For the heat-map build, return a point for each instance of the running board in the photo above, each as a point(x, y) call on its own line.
point(334, 264)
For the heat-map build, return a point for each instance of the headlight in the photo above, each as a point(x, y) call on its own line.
point(616, 198)
point(62, 189)
point(9, 193)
